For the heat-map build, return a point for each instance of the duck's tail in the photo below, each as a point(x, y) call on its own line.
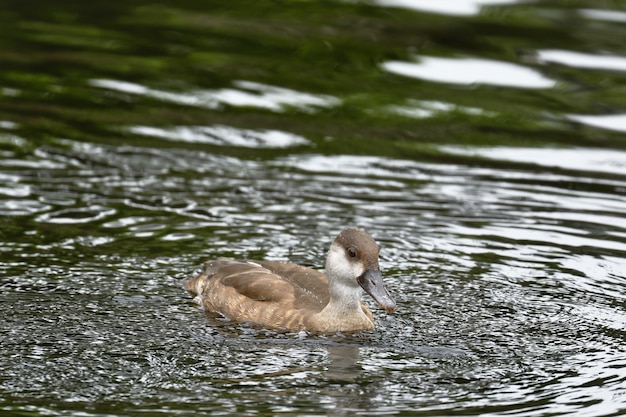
point(196, 284)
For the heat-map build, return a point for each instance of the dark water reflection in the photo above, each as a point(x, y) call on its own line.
point(136, 141)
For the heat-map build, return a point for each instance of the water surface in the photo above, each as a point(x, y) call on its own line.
point(482, 146)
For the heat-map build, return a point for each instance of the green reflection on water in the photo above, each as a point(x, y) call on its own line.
point(333, 48)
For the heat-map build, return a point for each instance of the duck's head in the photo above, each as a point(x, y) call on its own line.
point(353, 261)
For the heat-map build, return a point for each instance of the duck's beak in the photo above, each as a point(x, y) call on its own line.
point(372, 282)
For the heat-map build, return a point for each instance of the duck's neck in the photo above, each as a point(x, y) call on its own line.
point(344, 311)
point(345, 300)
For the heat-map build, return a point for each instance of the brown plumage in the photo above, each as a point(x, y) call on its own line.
point(288, 296)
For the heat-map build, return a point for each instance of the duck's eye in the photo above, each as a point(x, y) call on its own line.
point(352, 252)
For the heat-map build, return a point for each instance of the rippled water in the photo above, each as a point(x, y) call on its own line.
point(488, 162)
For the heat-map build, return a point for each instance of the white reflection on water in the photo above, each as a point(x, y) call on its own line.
point(77, 215)
point(223, 135)
point(346, 164)
point(448, 7)
point(249, 94)
point(527, 233)
point(596, 160)
point(470, 71)
point(22, 207)
point(7, 124)
point(615, 122)
point(608, 15)
point(421, 109)
point(583, 60)
point(10, 186)
point(275, 98)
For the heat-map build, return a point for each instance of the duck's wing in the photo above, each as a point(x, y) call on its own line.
point(255, 282)
point(230, 282)
point(308, 284)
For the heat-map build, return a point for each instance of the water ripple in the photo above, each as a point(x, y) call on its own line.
point(249, 94)
point(77, 215)
point(224, 135)
point(508, 281)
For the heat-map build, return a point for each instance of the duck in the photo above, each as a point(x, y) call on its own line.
point(287, 296)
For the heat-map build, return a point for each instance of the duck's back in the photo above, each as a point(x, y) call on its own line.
point(274, 294)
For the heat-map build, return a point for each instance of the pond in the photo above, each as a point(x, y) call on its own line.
point(481, 143)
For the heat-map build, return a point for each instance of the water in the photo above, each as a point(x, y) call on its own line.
point(481, 145)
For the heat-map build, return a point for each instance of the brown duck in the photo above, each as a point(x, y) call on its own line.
point(284, 295)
